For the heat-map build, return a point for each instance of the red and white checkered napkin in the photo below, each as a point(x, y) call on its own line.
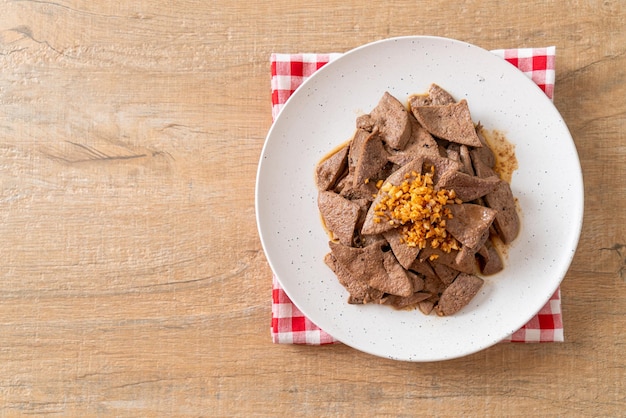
point(289, 325)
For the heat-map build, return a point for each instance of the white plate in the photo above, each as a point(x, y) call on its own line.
point(321, 114)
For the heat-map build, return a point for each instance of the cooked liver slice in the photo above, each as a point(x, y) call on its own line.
point(435, 96)
point(453, 152)
point(356, 148)
point(470, 223)
point(484, 153)
point(369, 156)
point(365, 122)
point(451, 122)
point(362, 263)
point(346, 185)
point(421, 138)
point(340, 215)
point(439, 96)
point(434, 286)
point(489, 259)
point(392, 119)
point(426, 306)
point(406, 302)
point(446, 274)
point(378, 239)
point(466, 160)
point(501, 199)
point(417, 280)
point(459, 293)
point(423, 268)
point(420, 144)
point(443, 166)
point(359, 291)
point(405, 254)
point(349, 190)
point(329, 170)
point(467, 256)
point(466, 187)
point(398, 282)
point(464, 264)
point(378, 269)
point(507, 221)
point(363, 206)
point(418, 100)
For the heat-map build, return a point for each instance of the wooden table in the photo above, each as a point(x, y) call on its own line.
point(133, 282)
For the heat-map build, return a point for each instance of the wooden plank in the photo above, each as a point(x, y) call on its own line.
point(133, 282)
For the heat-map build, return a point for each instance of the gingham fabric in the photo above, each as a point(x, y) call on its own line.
point(289, 325)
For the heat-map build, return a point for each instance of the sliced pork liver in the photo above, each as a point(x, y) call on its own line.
point(378, 269)
point(434, 286)
point(470, 223)
point(439, 96)
point(418, 100)
point(329, 170)
point(507, 221)
point(484, 153)
point(443, 166)
point(348, 189)
point(340, 215)
point(459, 293)
point(392, 119)
point(417, 280)
point(423, 268)
point(362, 263)
point(406, 302)
point(436, 95)
point(466, 187)
point(356, 148)
point(501, 199)
point(453, 152)
point(406, 255)
point(370, 259)
point(365, 122)
point(369, 156)
point(359, 291)
point(426, 306)
point(464, 264)
point(446, 274)
point(420, 144)
point(489, 259)
point(466, 160)
point(398, 282)
point(420, 138)
point(451, 122)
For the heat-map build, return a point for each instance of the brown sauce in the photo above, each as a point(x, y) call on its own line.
point(506, 164)
point(504, 151)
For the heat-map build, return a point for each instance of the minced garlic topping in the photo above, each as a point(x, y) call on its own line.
point(418, 210)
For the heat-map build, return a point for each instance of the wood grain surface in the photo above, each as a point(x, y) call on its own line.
point(132, 279)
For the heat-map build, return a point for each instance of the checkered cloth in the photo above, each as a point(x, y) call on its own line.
point(289, 325)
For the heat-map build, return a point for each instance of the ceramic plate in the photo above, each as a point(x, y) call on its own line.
point(321, 115)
